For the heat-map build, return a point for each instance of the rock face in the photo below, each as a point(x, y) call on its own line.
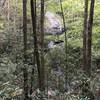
point(53, 24)
point(53, 21)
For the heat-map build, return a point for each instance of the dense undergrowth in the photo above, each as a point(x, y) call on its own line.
point(80, 86)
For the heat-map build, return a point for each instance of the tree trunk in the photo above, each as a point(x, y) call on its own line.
point(25, 72)
point(85, 33)
point(36, 53)
point(89, 40)
point(66, 49)
point(42, 80)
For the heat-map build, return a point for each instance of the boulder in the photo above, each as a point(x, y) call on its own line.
point(53, 24)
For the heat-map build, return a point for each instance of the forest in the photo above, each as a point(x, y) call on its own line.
point(49, 49)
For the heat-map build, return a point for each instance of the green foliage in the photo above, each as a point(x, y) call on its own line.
point(10, 91)
point(73, 6)
point(11, 51)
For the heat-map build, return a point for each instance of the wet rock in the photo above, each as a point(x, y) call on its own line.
point(53, 44)
point(53, 24)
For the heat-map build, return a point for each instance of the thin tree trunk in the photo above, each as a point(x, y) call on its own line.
point(85, 33)
point(15, 11)
point(66, 40)
point(25, 72)
point(36, 53)
point(89, 40)
point(8, 12)
point(32, 5)
point(42, 80)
